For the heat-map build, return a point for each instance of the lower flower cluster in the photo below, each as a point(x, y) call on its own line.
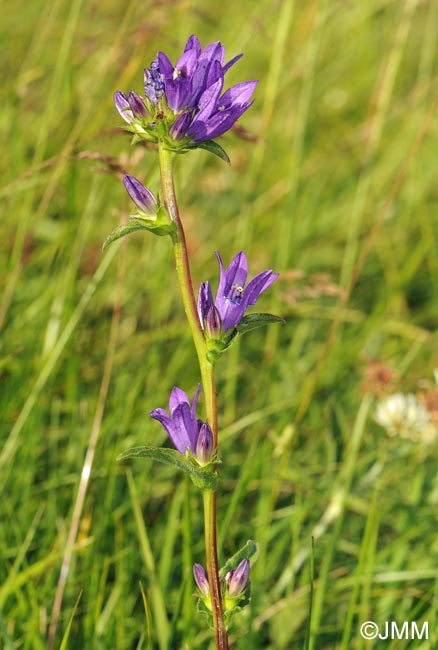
point(235, 584)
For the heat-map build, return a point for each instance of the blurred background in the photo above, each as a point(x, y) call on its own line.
point(333, 184)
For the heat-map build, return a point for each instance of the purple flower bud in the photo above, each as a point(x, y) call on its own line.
point(204, 445)
point(137, 105)
point(180, 126)
point(142, 197)
point(236, 580)
point(213, 323)
point(201, 579)
point(205, 301)
point(123, 106)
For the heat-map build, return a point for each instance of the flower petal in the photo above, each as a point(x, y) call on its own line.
point(163, 417)
point(177, 397)
point(193, 44)
point(185, 434)
point(165, 65)
point(179, 128)
point(219, 123)
point(178, 92)
point(257, 286)
point(123, 107)
point(186, 64)
point(205, 301)
point(238, 94)
point(228, 65)
point(237, 272)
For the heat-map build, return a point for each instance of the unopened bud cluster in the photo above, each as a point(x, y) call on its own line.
point(235, 584)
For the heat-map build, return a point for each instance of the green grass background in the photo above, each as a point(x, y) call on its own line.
point(333, 184)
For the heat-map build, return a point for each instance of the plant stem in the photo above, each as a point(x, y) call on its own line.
point(208, 385)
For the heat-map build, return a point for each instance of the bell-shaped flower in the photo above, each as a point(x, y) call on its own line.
point(183, 428)
point(232, 297)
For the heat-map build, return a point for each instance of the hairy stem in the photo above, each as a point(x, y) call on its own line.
point(208, 385)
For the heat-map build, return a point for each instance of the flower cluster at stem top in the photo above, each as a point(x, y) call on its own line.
point(184, 105)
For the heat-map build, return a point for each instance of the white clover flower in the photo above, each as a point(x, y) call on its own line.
point(402, 415)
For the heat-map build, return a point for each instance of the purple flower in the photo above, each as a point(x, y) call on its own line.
point(183, 428)
point(185, 104)
point(232, 297)
point(153, 83)
point(142, 197)
point(193, 90)
point(201, 579)
point(236, 580)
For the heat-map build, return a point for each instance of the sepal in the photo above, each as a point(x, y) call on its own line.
point(205, 609)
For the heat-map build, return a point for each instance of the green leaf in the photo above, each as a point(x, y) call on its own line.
point(63, 645)
point(252, 321)
point(125, 229)
point(247, 551)
point(158, 227)
point(203, 477)
point(214, 148)
point(147, 613)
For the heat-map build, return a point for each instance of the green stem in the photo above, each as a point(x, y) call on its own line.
point(208, 385)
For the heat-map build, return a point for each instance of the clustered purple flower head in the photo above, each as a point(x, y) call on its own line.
point(195, 109)
point(232, 297)
point(183, 428)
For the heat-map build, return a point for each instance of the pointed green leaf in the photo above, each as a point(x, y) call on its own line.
point(125, 229)
point(214, 148)
point(203, 477)
point(63, 645)
point(247, 551)
point(252, 321)
point(158, 227)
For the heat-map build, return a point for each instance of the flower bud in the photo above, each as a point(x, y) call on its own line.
point(180, 126)
point(201, 579)
point(142, 197)
point(204, 445)
point(236, 580)
point(123, 106)
point(137, 105)
point(213, 323)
